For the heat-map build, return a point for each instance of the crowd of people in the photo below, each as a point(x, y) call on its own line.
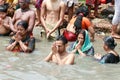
point(50, 15)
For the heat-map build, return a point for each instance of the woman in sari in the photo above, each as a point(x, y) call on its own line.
point(82, 45)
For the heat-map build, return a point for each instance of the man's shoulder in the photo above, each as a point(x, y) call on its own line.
point(8, 18)
point(31, 11)
point(18, 10)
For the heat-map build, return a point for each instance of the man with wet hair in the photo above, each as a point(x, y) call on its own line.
point(5, 21)
point(59, 55)
point(52, 14)
point(24, 13)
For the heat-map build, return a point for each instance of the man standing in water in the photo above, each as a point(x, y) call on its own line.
point(24, 13)
point(59, 55)
point(52, 14)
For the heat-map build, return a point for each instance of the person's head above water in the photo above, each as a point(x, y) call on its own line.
point(110, 42)
point(23, 24)
point(63, 39)
point(82, 10)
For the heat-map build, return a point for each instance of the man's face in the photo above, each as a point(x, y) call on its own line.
point(61, 46)
point(22, 4)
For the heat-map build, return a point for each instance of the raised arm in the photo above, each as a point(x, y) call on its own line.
point(49, 57)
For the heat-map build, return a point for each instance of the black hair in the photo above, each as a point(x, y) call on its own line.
point(80, 12)
point(110, 42)
point(3, 8)
point(63, 39)
point(78, 24)
point(24, 24)
point(82, 9)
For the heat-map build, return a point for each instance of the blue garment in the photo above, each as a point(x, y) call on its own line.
point(87, 47)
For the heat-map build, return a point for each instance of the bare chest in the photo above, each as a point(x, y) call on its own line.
point(22, 16)
point(55, 7)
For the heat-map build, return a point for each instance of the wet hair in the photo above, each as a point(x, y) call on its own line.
point(82, 9)
point(63, 39)
point(78, 24)
point(110, 42)
point(80, 12)
point(3, 8)
point(24, 24)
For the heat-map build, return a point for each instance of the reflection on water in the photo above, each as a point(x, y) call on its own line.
point(20, 66)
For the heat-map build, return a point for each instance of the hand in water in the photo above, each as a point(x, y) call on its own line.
point(48, 35)
point(97, 56)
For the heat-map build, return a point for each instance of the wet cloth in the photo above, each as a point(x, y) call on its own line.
point(28, 41)
point(109, 58)
point(87, 47)
point(70, 36)
point(7, 34)
point(51, 26)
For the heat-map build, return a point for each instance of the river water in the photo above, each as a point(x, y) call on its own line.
point(22, 66)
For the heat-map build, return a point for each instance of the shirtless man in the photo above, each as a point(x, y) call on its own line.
point(52, 14)
point(24, 13)
point(5, 21)
point(59, 55)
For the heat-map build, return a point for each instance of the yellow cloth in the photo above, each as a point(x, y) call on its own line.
point(51, 26)
point(15, 1)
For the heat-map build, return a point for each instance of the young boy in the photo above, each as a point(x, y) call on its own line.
point(5, 21)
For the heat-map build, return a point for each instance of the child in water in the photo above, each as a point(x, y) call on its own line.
point(112, 56)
